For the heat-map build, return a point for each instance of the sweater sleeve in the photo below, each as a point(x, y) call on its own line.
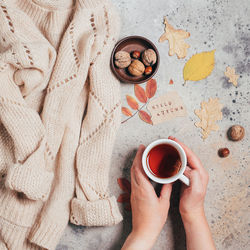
point(25, 62)
point(93, 206)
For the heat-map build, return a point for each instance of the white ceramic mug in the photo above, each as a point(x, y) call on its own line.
point(183, 157)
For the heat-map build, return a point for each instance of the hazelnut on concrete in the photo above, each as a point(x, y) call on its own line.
point(223, 152)
point(149, 57)
point(236, 133)
point(122, 59)
point(136, 68)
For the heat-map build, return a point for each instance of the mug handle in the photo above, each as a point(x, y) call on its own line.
point(184, 179)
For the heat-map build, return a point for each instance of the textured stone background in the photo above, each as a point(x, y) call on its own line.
point(221, 25)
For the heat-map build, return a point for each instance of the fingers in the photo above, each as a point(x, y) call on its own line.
point(187, 172)
point(138, 176)
point(195, 181)
point(166, 192)
point(138, 158)
point(193, 161)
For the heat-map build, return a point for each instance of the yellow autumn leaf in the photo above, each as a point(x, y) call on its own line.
point(199, 66)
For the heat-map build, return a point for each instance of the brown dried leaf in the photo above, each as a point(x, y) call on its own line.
point(132, 102)
point(124, 184)
point(151, 88)
point(209, 113)
point(176, 41)
point(140, 94)
point(171, 82)
point(230, 73)
point(126, 111)
point(124, 198)
point(145, 117)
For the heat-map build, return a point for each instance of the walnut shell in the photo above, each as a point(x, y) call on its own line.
point(236, 133)
point(136, 68)
point(149, 57)
point(122, 59)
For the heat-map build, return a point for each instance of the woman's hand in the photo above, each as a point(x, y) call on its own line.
point(192, 197)
point(149, 212)
point(197, 230)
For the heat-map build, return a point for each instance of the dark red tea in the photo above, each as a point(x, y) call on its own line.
point(164, 161)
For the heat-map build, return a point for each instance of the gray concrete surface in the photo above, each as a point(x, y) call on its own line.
point(220, 25)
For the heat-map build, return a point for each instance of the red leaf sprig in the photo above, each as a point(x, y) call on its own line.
point(124, 198)
point(143, 96)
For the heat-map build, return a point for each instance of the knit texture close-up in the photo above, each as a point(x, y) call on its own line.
point(59, 115)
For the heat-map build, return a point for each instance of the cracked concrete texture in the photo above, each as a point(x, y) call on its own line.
point(220, 25)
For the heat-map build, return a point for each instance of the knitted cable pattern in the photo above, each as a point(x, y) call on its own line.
point(59, 114)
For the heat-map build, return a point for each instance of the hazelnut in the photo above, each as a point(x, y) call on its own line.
point(149, 57)
point(136, 68)
point(236, 133)
point(223, 152)
point(148, 70)
point(136, 54)
point(122, 59)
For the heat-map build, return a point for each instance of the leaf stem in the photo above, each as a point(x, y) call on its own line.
point(135, 112)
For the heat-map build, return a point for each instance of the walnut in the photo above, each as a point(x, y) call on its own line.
point(136, 68)
point(122, 59)
point(149, 57)
point(236, 133)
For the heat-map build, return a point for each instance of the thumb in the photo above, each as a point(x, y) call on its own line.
point(166, 192)
point(195, 180)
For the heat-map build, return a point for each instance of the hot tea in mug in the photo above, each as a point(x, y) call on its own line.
point(164, 161)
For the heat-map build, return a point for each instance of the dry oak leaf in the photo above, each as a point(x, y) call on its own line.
point(126, 111)
point(140, 94)
point(230, 73)
point(209, 113)
point(151, 88)
point(176, 41)
point(145, 117)
point(199, 66)
point(132, 102)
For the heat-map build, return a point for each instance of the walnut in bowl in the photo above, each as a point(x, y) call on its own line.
point(130, 45)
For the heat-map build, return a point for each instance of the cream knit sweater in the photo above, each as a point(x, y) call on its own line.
point(59, 114)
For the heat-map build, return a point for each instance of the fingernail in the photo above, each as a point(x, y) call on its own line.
point(171, 137)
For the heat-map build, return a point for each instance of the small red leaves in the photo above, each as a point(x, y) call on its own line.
point(171, 82)
point(145, 117)
point(151, 88)
point(124, 198)
point(143, 96)
point(140, 94)
point(126, 111)
point(132, 102)
point(124, 184)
